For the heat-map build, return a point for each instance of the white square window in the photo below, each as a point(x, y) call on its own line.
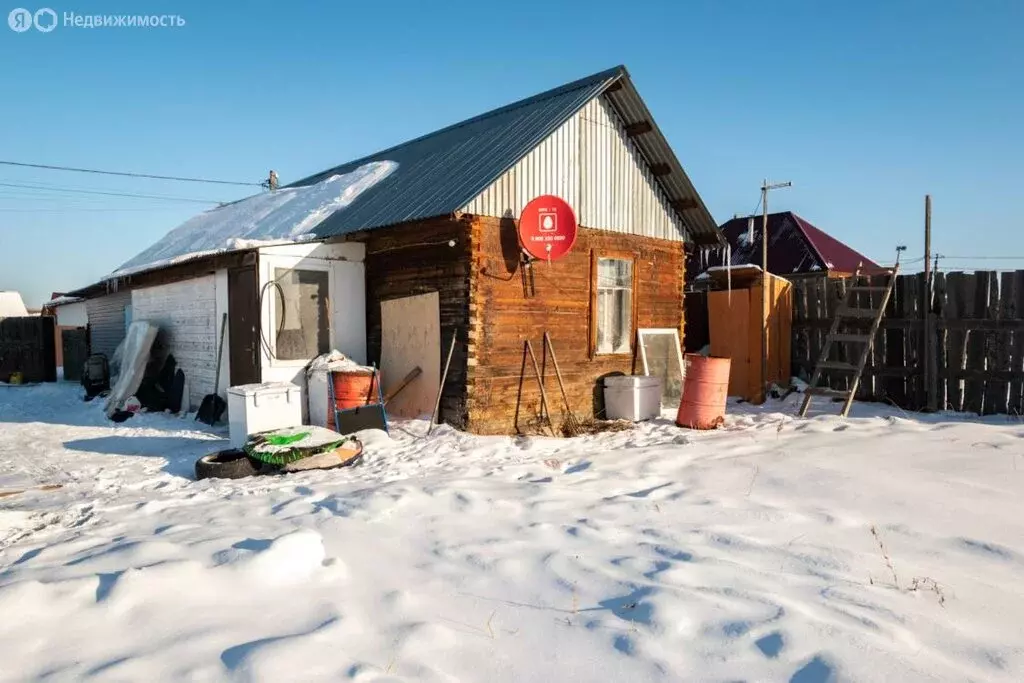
point(301, 318)
point(614, 315)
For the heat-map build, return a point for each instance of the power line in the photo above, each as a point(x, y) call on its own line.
point(125, 174)
point(983, 258)
point(7, 209)
point(109, 194)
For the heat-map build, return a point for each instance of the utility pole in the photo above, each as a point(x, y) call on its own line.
point(765, 187)
point(927, 249)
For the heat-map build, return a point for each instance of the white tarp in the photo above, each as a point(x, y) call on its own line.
point(137, 344)
point(282, 216)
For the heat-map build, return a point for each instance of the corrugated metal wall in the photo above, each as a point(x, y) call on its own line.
point(591, 164)
point(106, 321)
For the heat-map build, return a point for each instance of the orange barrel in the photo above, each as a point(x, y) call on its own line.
point(704, 392)
point(354, 388)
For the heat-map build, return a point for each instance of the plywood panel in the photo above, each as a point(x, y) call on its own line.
point(410, 337)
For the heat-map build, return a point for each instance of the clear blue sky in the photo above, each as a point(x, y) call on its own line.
point(865, 106)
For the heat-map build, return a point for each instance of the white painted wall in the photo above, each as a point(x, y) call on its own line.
point(343, 262)
point(72, 315)
point(188, 315)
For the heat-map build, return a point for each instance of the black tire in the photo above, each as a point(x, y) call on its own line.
point(229, 464)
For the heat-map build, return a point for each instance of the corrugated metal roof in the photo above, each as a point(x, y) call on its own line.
point(443, 171)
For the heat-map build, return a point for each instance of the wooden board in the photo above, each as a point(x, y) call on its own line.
point(995, 358)
point(955, 356)
point(975, 300)
point(1016, 308)
point(731, 324)
point(938, 340)
point(410, 337)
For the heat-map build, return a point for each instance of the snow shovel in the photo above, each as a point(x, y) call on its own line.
point(213, 405)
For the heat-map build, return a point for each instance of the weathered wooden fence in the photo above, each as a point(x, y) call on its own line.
point(956, 343)
point(27, 345)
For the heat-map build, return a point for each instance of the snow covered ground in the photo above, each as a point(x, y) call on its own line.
point(658, 554)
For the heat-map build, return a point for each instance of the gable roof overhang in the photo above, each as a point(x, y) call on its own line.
point(441, 172)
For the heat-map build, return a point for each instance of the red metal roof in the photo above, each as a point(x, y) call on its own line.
point(794, 246)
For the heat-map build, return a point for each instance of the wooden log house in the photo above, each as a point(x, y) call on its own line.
point(442, 226)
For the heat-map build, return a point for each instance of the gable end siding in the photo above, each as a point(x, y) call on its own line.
point(590, 163)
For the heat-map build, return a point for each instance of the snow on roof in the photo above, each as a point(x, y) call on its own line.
point(11, 305)
point(282, 216)
point(62, 301)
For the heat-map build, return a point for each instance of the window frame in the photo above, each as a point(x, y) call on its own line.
point(273, 265)
point(595, 256)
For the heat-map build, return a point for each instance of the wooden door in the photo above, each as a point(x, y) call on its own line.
point(75, 350)
point(243, 326)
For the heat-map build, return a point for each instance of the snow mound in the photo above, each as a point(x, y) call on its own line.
point(288, 559)
point(282, 216)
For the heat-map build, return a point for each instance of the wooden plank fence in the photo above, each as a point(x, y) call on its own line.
point(27, 345)
point(956, 343)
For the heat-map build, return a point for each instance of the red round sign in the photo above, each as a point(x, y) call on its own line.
point(547, 227)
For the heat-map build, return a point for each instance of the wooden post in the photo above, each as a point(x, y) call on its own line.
point(929, 348)
point(764, 294)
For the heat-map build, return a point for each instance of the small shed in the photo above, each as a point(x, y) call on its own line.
point(735, 322)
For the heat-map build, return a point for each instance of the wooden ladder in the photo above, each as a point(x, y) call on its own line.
point(848, 311)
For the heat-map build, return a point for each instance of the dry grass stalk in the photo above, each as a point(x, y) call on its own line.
point(928, 584)
point(594, 426)
point(752, 480)
point(885, 555)
point(490, 631)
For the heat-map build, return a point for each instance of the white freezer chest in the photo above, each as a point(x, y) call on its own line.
point(256, 408)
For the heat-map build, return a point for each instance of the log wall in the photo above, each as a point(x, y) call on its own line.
point(416, 258)
point(511, 303)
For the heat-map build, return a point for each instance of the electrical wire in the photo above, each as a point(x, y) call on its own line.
point(263, 335)
point(982, 258)
point(6, 209)
point(132, 195)
point(126, 174)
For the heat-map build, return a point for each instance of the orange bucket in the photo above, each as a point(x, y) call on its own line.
point(705, 391)
point(354, 389)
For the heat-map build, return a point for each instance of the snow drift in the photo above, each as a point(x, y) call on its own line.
point(877, 548)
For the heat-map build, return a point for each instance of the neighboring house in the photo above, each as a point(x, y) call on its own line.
point(71, 315)
point(395, 254)
point(795, 249)
point(11, 305)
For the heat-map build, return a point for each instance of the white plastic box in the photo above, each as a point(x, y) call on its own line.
point(632, 397)
point(261, 407)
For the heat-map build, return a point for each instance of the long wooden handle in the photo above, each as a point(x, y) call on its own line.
point(220, 352)
point(543, 394)
point(413, 374)
point(558, 371)
point(440, 388)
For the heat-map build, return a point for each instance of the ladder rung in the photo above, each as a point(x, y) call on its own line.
point(850, 312)
point(836, 365)
point(825, 391)
point(868, 288)
point(859, 338)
